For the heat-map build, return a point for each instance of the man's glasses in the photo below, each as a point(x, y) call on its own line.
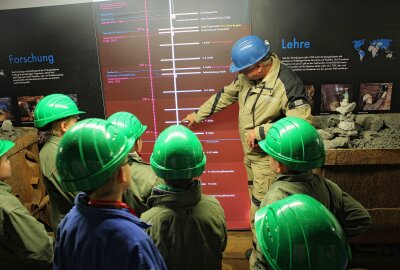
point(249, 69)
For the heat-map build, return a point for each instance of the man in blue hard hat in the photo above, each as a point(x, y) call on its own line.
point(266, 90)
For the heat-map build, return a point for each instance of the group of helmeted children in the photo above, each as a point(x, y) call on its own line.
point(111, 210)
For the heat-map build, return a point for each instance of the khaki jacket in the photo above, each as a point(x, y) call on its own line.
point(188, 228)
point(60, 202)
point(142, 182)
point(24, 243)
point(261, 103)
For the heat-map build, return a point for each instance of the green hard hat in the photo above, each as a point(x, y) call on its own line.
point(54, 107)
point(89, 153)
point(177, 154)
point(128, 123)
point(298, 232)
point(5, 145)
point(295, 143)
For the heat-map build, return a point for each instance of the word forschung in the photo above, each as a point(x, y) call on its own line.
point(31, 59)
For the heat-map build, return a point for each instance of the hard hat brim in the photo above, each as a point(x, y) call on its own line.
point(7, 145)
point(233, 68)
point(263, 145)
point(165, 173)
point(140, 133)
point(44, 121)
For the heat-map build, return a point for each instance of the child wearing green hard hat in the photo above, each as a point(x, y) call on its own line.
point(189, 228)
point(295, 148)
point(55, 113)
point(298, 232)
point(24, 242)
point(144, 178)
point(100, 231)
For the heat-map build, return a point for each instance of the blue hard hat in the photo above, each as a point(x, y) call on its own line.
point(248, 51)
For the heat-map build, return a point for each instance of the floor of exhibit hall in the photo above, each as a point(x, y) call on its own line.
point(367, 257)
point(234, 255)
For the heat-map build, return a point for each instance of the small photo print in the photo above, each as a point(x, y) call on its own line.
point(5, 109)
point(27, 105)
point(333, 94)
point(375, 96)
point(310, 93)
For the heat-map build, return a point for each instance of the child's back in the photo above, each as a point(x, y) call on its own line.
point(188, 228)
point(100, 231)
point(103, 238)
point(295, 148)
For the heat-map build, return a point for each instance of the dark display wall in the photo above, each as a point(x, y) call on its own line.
point(48, 50)
point(337, 47)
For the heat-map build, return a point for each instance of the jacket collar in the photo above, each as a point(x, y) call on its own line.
point(54, 139)
point(171, 199)
point(81, 203)
point(136, 157)
point(4, 186)
point(270, 80)
point(301, 177)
